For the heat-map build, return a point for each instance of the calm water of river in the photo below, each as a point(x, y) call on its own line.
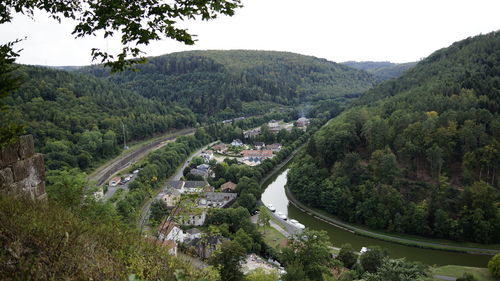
point(275, 194)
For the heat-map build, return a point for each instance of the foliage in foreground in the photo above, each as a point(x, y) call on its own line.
point(45, 241)
point(494, 266)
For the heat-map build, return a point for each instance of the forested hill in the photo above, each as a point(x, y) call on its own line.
point(238, 82)
point(419, 154)
point(381, 70)
point(77, 119)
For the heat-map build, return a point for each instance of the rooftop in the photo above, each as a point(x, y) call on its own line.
point(257, 153)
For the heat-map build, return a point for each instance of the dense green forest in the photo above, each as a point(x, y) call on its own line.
point(381, 70)
point(77, 120)
point(419, 154)
point(239, 83)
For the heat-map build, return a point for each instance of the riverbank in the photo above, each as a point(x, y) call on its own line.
point(327, 218)
point(455, 271)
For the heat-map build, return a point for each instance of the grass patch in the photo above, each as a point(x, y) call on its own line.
point(481, 274)
point(271, 236)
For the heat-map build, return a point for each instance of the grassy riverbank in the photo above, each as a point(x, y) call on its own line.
point(481, 274)
point(272, 237)
point(395, 238)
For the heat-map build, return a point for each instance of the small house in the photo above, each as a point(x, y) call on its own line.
point(302, 122)
point(259, 145)
point(275, 147)
point(177, 185)
point(251, 133)
point(228, 187)
point(192, 233)
point(198, 172)
point(273, 124)
point(203, 167)
point(207, 155)
point(170, 197)
point(195, 218)
point(217, 199)
point(260, 154)
point(195, 186)
point(237, 143)
point(220, 148)
point(170, 231)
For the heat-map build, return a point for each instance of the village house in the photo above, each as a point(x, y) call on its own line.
point(228, 187)
point(195, 186)
point(207, 155)
point(178, 185)
point(220, 148)
point(237, 143)
point(192, 233)
point(275, 147)
point(201, 170)
point(261, 154)
point(302, 122)
point(171, 231)
point(187, 186)
point(203, 167)
point(273, 124)
point(170, 197)
point(198, 172)
point(217, 200)
point(251, 133)
point(196, 218)
point(259, 145)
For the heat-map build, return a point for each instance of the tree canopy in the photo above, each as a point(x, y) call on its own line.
point(418, 154)
point(137, 23)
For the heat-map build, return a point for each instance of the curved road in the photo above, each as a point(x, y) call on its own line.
point(177, 176)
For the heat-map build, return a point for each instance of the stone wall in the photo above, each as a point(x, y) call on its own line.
point(22, 170)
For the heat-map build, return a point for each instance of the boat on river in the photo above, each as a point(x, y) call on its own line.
point(271, 208)
point(281, 216)
point(300, 226)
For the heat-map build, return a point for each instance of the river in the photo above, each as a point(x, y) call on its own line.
point(275, 194)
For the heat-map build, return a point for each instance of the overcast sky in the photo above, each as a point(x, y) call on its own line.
point(338, 30)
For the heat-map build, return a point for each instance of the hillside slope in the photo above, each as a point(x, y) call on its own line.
point(78, 119)
point(45, 241)
point(238, 82)
point(419, 154)
point(381, 70)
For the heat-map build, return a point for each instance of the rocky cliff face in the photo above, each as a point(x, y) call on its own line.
point(22, 170)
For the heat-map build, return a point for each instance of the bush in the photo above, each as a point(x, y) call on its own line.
point(494, 266)
point(47, 241)
point(466, 277)
point(373, 259)
point(347, 256)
